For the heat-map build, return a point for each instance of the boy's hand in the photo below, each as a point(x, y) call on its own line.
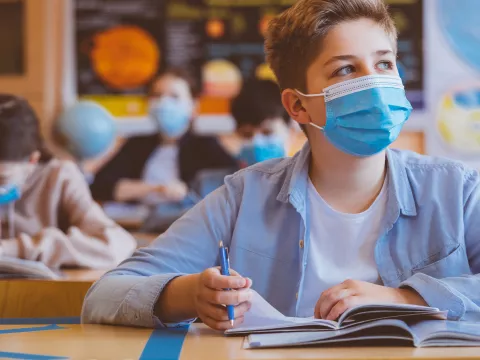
point(336, 300)
point(210, 298)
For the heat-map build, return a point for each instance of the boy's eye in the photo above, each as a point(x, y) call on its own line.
point(385, 65)
point(346, 70)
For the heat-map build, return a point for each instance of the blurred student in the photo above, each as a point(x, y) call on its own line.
point(55, 220)
point(161, 165)
point(262, 123)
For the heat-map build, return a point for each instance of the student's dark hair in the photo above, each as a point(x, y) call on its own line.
point(181, 74)
point(20, 134)
point(257, 101)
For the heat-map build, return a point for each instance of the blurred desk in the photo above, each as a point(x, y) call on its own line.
point(129, 224)
point(129, 216)
point(199, 343)
point(21, 298)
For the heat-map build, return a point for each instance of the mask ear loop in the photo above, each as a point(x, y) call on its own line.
point(321, 128)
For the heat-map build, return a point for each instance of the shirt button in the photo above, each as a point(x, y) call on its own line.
point(302, 243)
point(296, 295)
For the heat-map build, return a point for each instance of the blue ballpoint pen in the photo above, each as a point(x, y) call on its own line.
point(225, 270)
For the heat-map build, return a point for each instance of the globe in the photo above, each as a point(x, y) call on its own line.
point(459, 22)
point(86, 129)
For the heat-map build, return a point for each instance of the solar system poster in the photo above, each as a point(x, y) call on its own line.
point(234, 51)
point(123, 44)
point(119, 46)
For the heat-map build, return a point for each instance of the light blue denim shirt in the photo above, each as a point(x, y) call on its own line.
point(430, 240)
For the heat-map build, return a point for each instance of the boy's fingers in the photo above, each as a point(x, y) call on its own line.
point(214, 280)
point(221, 325)
point(219, 312)
point(219, 297)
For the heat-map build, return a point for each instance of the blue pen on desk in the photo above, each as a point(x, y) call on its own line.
point(225, 270)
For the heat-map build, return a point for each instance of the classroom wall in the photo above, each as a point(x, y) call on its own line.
point(41, 82)
point(45, 34)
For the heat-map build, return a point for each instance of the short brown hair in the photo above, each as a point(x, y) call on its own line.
point(294, 38)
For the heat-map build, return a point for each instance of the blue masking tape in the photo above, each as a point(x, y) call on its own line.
point(40, 321)
point(10, 355)
point(165, 344)
point(31, 329)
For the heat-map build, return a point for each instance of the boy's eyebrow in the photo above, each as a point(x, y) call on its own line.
point(383, 52)
point(350, 57)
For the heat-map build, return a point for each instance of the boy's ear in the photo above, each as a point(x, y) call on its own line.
point(34, 157)
point(294, 106)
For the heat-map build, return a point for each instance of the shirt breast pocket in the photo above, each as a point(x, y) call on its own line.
point(451, 262)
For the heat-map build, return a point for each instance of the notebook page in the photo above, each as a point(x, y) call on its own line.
point(264, 316)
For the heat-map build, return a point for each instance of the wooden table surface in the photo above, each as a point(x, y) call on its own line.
point(106, 342)
point(21, 298)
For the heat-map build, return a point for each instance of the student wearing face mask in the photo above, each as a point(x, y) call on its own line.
point(160, 166)
point(261, 122)
point(55, 219)
point(345, 222)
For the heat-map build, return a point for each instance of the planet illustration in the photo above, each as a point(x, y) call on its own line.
point(125, 57)
point(221, 78)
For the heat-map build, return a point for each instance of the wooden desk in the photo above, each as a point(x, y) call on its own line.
point(46, 298)
point(105, 342)
point(52, 298)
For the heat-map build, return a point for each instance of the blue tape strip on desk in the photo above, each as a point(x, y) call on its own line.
point(165, 344)
point(10, 355)
point(31, 329)
point(41, 321)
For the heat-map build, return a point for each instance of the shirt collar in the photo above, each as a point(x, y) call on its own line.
point(400, 193)
point(400, 187)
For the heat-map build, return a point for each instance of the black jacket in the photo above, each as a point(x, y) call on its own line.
point(195, 153)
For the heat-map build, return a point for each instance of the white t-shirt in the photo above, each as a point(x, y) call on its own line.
point(161, 167)
point(341, 247)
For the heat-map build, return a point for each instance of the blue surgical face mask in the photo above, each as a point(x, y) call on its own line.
point(262, 148)
point(364, 115)
point(10, 192)
point(171, 115)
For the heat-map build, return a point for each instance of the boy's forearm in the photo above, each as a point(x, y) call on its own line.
point(176, 302)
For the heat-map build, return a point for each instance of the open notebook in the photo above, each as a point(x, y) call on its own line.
point(419, 325)
point(426, 333)
point(13, 268)
point(264, 318)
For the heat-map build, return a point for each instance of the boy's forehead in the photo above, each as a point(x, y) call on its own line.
point(359, 38)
